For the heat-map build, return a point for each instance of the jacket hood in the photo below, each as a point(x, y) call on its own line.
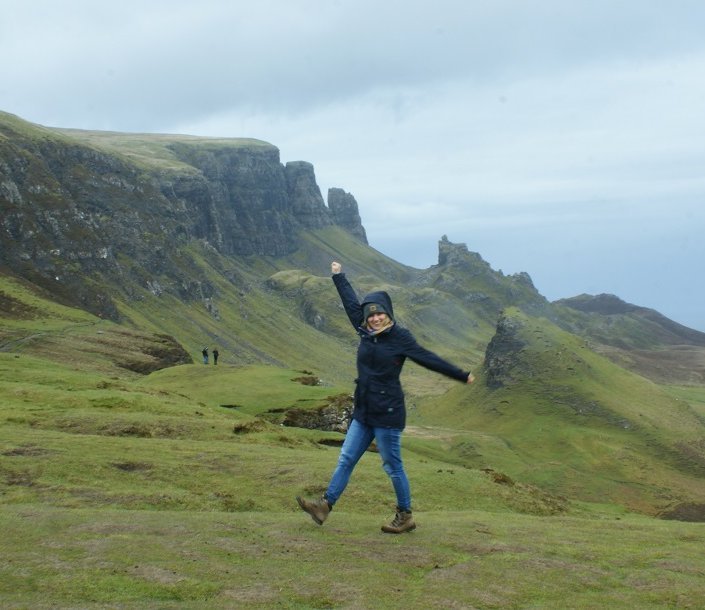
point(380, 297)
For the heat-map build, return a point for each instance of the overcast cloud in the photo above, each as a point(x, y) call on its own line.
point(564, 138)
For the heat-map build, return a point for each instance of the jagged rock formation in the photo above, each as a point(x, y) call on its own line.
point(305, 196)
point(468, 276)
point(458, 255)
point(503, 361)
point(450, 253)
point(344, 211)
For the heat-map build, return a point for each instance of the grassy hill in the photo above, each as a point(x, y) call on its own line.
point(120, 489)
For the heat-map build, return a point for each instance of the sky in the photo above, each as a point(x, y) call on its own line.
point(562, 138)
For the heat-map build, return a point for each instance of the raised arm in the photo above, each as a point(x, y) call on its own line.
point(347, 295)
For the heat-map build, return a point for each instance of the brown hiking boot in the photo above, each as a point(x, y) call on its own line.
point(402, 522)
point(318, 509)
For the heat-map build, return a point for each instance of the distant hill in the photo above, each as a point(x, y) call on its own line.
point(637, 338)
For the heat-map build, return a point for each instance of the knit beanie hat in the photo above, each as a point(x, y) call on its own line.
point(371, 308)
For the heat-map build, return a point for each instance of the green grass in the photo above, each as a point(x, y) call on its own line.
point(146, 151)
point(86, 558)
point(692, 395)
point(121, 490)
point(157, 151)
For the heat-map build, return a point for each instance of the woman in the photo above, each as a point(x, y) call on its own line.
point(379, 412)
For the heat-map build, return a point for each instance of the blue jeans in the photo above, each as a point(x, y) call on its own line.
point(357, 440)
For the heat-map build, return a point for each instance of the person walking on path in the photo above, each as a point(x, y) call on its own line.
point(379, 412)
point(215, 355)
point(204, 352)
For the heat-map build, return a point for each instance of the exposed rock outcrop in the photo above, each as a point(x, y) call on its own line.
point(685, 511)
point(503, 361)
point(344, 211)
point(332, 417)
point(458, 255)
point(305, 197)
point(469, 277)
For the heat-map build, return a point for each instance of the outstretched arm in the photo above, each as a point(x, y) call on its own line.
point(430, 360)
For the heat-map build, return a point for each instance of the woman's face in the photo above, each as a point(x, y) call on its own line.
point(377, 320)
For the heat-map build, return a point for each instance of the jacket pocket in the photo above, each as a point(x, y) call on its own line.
point(384, 398)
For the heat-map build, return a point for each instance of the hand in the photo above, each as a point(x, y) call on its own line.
point(471, 378)
point(335, 268)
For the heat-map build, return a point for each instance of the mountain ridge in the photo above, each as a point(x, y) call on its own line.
point(102, 220)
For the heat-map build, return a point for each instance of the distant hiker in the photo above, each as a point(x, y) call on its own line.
point(379, 412)
point(204, 351)
point(215, 355)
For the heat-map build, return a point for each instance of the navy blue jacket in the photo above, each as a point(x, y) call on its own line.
point(379, 399)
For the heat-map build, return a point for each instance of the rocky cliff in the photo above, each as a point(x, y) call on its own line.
point(79, 207)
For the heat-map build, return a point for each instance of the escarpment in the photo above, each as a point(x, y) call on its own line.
point(80, 208)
